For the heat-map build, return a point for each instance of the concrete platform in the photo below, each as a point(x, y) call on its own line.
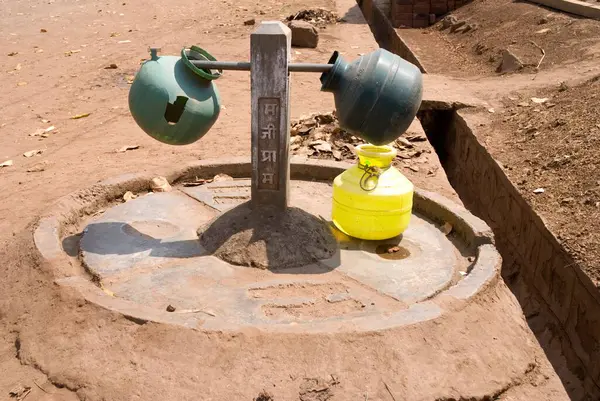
point(143, 259)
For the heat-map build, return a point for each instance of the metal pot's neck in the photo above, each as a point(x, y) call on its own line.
point(330, 80)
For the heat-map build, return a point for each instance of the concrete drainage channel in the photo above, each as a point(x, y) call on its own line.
point(561, 303)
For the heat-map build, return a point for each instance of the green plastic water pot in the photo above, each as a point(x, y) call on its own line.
point(172, 100)
point(376, 96)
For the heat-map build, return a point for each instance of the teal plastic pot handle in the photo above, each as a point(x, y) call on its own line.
point(198, 53)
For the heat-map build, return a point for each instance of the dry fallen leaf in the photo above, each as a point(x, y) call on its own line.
point(124, 41)
point(222, 177)
point(404, 142)
point(197, 182)
point(22, 84)
point(539, 100)
point(539, 191)
point(106, 290)
point(18, 67)
point(112, 66)
point(160, 184)
point(42, 131)
point(34, 152)
point(6, 163)
point(20, 392)
point(43, 30)
point(446, 228)
point(324, 147)
point(78, 116)
point(416, 138)
point(127, 147)
point(12, 54)
point(127, 196)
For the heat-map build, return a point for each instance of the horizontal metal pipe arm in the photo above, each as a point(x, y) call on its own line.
point(245, 66)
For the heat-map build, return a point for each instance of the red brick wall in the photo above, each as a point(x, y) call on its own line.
point(420, 13)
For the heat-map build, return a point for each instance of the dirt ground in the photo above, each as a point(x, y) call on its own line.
point(549, 145)
point(520, 27)
point(54, 346)
point(550, 153)
point(53, 66)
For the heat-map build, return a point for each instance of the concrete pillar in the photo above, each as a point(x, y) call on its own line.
point(270, 48)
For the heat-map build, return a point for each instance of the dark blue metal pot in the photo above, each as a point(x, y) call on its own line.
point(376, 96)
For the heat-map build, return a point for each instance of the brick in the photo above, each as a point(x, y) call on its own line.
point(403, 19)
point(403, 9)
point(404, 16)
point(555, 280)
point(583, 326)
point(438, 8)
point(529, 251)
point(421, 7)
point(451, 5)
point(420, 20)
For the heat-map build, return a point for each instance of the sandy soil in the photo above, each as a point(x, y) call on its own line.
point(521, 27)
point(549, 145)
point(54, 346)
point(54, 55)
point(550, 152)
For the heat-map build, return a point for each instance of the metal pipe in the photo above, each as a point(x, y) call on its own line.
point(309, 67)
point(245, 66)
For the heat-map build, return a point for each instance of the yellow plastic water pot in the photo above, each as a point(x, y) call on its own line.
point(372, 200)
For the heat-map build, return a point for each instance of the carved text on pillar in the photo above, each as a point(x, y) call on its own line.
point(269, 113)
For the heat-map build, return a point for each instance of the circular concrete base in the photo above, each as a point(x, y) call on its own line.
point(146, 261)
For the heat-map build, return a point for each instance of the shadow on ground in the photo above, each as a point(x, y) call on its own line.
point(353, 16)
point(268, 238)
